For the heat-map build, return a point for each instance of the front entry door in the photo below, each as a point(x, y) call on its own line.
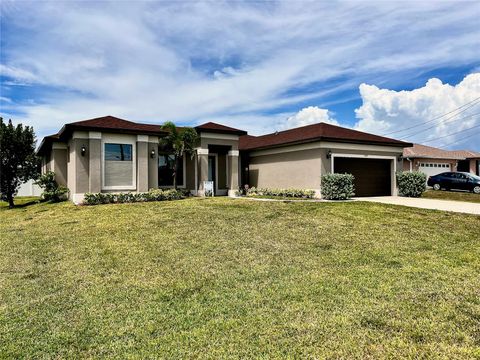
point(212, 171)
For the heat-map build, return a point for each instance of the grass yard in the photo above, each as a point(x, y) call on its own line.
point(452, 195)
point(223, 278)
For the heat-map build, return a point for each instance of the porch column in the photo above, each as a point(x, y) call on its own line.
point(202, 164)
point(142, 163)
point(232, 172)
point(94, 165)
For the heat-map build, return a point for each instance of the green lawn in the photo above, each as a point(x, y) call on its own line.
point(223, 278)
point(452, 195)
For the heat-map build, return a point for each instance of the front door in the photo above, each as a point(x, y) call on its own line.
point(212, 171)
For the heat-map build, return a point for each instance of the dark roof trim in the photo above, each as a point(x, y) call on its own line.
point(218, 128)
point(321, 138)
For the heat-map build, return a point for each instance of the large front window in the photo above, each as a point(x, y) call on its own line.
point(118, 165)
point(166, 170)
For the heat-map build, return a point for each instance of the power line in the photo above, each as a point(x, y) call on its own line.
point(466, 137)
point(431, 127)
point(455, 133)
point(438, 117)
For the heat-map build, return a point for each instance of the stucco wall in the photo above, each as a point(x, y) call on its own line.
point(190, 172)
point(59, 157)
point(298, 169)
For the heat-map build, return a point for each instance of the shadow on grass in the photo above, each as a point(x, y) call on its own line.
point(21, 202)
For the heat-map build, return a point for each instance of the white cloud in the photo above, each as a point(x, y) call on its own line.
point(16, 73)
point(307, 116)
point(157, 61)
point(384, 111)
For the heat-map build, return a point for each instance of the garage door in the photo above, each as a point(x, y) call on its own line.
point(372, 176)
point(433, 168)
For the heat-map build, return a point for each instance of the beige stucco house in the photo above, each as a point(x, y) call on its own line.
point(109, 154)
point(433, 161)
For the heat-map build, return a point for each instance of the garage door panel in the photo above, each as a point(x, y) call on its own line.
point(372, 176)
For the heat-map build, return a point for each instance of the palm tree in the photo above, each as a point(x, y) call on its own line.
point(179, 143)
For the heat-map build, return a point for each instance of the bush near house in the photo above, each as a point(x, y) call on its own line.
point(116, 198)
point(51, 190)
point(411, 184)
point(337, 186)
point(283, 193)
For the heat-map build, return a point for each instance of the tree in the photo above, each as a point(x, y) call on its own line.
point(18, 160)
point(179, 143)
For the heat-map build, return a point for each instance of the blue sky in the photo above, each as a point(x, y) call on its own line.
point(258, 66)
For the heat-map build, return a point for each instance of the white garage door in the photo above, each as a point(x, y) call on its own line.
point(433, 168)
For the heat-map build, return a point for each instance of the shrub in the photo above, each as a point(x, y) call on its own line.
point(288, 193)
point(51, 190)
point(411, 184)
point(337, 186)
point(117, 198)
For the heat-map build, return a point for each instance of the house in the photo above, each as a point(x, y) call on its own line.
point(433, 161)
point(109, 154)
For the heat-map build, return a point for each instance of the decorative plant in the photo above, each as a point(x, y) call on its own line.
point(337, 186)
point(411, 184)
point(51, 190)
point(284, 193)
point(179, 143)
point(115, 198)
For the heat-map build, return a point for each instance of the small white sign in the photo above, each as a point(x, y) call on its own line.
point(208, 186)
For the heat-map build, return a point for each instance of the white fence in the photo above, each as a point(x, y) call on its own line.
point(29, 189)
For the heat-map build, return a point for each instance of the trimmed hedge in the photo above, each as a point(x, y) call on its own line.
point(288, 193)
point(411, 184)
point(117, 198)
point(337, 186)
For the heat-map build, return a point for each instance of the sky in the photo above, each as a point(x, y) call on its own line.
point(385, 67)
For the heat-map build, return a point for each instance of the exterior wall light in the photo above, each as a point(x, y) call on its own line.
point(83, 150)
point(400, 157)
point(152, 153)
point(329, 154)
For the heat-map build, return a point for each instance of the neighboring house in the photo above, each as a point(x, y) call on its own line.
point(433, 161)
point(109, 154)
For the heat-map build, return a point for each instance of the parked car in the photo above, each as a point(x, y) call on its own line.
point(455, 180)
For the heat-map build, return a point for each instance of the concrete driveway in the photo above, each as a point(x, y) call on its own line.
point(433, 204)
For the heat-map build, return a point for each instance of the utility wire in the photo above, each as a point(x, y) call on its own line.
point(466, 137)
point(455, 133)
point(431, 127)
point(476, 101)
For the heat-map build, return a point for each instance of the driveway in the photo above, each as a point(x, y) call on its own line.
point(433, 204)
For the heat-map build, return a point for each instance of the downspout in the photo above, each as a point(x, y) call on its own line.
point(411, 165)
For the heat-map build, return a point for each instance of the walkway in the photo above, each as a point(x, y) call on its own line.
point(433, 204)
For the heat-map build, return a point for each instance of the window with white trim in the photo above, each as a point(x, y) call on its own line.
point(118, 165)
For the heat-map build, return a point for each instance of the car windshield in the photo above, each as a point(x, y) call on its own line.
point(476, 177)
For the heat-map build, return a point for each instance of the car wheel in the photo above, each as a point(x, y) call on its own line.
point(476, 189)
point(436, 187)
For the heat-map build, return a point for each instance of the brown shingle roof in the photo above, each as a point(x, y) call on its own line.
point(113, 123)
point(214, 127)
point(315, 132)
point(423, 151)
point(466, 154)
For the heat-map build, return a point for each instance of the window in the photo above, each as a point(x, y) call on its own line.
point(165, 170)
point(118, 152)
point(118, 165)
